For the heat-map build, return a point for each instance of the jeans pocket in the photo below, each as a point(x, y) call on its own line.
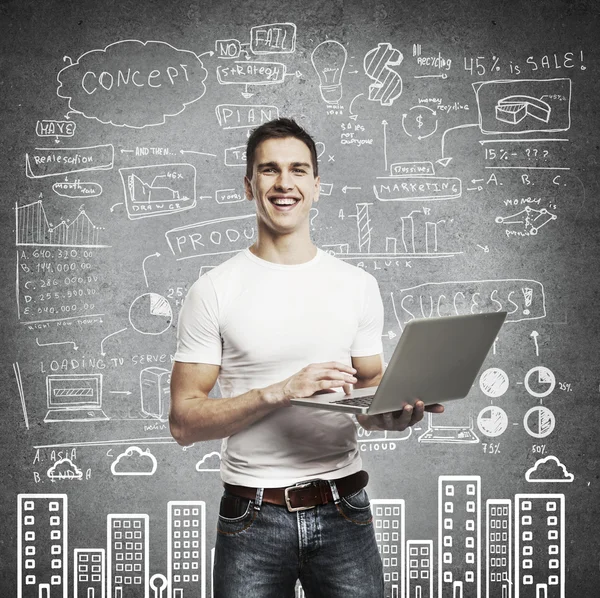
point(236, 514)
point(356, 508)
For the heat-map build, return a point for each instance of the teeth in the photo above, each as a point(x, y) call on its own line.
point(284, 202)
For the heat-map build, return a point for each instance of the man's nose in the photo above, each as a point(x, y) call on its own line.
point(284, 181)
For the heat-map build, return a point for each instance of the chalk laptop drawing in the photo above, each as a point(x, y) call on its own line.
point(435, 360)
point(74, 397)
point(443, 433)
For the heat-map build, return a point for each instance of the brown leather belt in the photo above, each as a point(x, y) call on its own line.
point(304, 495)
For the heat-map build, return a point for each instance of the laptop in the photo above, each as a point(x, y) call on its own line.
point(436, 360)
point(463, 433)
point(74, 397)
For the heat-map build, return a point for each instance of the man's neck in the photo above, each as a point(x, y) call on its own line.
point(284, 250)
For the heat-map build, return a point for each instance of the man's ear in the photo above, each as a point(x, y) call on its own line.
point(317, 188)
point(248, 189)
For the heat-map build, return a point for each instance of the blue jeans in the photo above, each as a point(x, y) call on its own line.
point(331, 548)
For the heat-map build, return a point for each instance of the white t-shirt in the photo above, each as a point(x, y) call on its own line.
point(262, 322)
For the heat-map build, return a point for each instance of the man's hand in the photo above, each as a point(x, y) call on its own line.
point(398, 420)
point(314, 378)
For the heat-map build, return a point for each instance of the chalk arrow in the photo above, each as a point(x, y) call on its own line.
point(102, 352)
point(61, 343)
point(534, 336)
point(384, 123)
point(444, 161)
point(194, 152)
point(144, 265)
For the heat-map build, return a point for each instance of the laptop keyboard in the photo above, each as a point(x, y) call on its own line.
point(356, 401)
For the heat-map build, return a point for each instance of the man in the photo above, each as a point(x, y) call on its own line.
point(284, 319)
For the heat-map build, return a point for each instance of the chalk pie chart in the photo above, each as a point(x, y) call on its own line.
point(492, 421)
point(150, 313)
point(540, 381)
point(539, 422)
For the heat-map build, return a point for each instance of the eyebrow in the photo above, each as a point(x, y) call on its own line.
point(275, 165)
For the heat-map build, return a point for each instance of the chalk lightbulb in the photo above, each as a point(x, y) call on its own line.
point(329, 60)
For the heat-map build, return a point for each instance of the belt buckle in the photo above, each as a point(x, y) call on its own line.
point(287, 497)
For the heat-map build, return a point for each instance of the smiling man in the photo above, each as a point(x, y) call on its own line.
point(284, 319)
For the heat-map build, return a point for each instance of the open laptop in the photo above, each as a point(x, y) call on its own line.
point(74, 397)
point(435, 360)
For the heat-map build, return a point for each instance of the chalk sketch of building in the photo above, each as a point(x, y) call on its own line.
point(419, 569)
point(89, 573)
point(539, 545)
point(127, 563)
point(459, 536)
point(186, 549)
point(498, 575)
point(390, 525)
point(42, 545)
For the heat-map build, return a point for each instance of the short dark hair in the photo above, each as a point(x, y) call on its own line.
point(279, 129)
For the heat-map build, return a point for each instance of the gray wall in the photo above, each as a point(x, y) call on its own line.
point(123, 133)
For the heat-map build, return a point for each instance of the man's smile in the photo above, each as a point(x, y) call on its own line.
point(284, 202)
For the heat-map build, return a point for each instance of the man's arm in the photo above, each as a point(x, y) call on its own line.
point(194, 416)
point(369, 371)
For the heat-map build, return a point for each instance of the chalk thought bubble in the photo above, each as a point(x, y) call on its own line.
point(132, 83)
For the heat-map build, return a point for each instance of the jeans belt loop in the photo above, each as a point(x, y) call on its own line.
point(334, 492)
point(258, 500)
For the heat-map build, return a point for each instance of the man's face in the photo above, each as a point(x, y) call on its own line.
point(283, 185)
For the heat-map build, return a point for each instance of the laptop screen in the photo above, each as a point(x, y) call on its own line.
point(74, 390)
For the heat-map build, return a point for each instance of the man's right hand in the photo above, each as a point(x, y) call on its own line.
point(312, 379)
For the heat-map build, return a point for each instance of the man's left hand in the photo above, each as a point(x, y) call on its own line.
point(398, 420)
